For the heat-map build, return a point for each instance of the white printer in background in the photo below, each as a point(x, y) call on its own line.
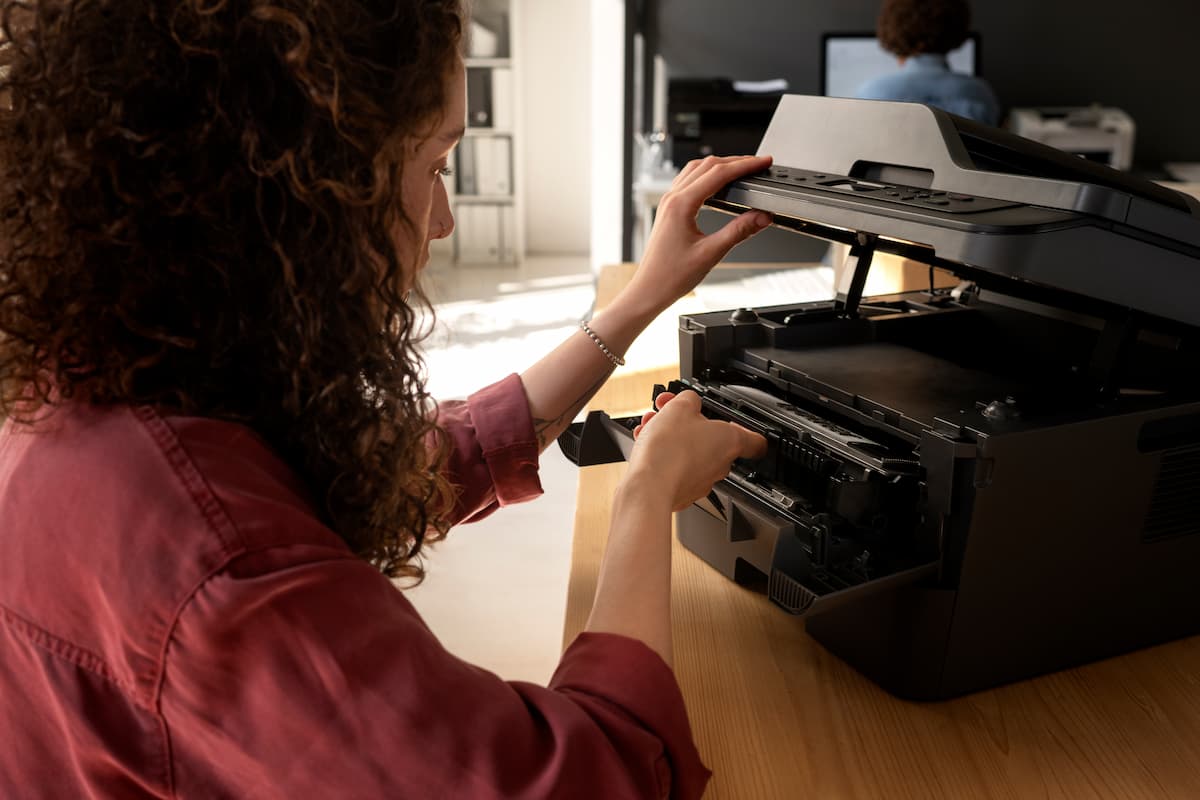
point(1097, 133)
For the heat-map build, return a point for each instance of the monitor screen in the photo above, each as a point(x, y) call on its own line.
point(851, 59)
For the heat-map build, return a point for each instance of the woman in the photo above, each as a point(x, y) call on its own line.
point(219, 447)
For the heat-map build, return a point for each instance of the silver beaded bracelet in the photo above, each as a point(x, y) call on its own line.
point(615, 359)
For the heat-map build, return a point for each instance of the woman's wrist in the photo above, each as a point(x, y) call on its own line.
point(643, 493)
point(630, 312)
point(641, 303)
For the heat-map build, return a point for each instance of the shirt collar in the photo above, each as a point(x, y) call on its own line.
point(927, 61)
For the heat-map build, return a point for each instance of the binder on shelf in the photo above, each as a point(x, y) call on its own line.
point(508, 234)
point(483, 164)
point(504, 181)
point(493, 165)
point(490, 98)
point(482, 42)
point(466, 172)
point(484, 167)
point(502, 98)
point(479, 97)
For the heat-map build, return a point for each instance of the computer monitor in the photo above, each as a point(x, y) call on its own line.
point(848, 60)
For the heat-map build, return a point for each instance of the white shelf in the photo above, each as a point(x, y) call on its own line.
point(469, 132)
point(487, 62)
point(490, 226)
point(483, 199)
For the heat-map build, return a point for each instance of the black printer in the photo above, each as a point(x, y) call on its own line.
point(709, 116)
point(966, 486)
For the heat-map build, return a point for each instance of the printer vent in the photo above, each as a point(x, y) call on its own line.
point(789, 593)
point(1175, 507)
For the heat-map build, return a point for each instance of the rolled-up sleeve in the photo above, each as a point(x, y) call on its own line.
point(494, 453)
point(604, 671)
point(320, 680)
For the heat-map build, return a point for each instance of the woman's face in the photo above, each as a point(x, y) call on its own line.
point(423, 191)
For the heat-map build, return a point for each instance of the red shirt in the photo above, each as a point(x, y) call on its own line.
point(175, 621)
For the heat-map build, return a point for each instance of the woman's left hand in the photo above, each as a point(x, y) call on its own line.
point(678, 255)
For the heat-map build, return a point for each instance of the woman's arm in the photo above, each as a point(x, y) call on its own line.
point(678, 256)
point(633, 592)
point(303, 672)
point(675, 461)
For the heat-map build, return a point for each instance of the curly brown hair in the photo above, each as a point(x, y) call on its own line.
point(911, 27)
point(199, 206)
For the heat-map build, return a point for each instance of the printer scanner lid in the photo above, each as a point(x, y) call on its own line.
point(1013, 215)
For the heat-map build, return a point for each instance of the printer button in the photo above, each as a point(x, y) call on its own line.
point(935, 201)
point(962, 198)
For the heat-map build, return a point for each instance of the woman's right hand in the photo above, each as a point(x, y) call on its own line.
point(683, 452)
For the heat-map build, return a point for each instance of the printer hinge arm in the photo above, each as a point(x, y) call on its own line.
point(854, 274)
point(1112, 348)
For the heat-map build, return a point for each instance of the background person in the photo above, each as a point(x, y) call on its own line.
point(920, 33)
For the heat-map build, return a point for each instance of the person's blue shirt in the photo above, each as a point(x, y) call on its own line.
point(926, 78)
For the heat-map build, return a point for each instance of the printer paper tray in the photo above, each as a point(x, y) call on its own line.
point(748, 533)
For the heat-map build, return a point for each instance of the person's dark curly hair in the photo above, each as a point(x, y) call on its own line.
point(911, 27)
point(199, 210)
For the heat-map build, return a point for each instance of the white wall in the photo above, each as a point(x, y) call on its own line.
point(607, 130)
point(552, 39)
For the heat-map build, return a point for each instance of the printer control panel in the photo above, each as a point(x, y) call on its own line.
point(911, 196)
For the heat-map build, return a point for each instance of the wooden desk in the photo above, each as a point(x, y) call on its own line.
point(776, 716)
